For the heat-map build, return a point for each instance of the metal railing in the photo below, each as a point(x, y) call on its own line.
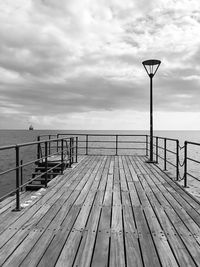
point(113, 144)
point(191, 162)
point(65, 149)
point(166, 150)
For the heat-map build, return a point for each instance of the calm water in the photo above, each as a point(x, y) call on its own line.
point(10, 137)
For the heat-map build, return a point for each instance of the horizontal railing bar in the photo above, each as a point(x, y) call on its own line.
point(171, 163)
point(8, 194)
point(167, 138)
point(113, 141)
point(34, 161)
point(194, 160)
point(142, 148)
point(192, 143)
point(159, 147)
point(7, 171)
point(164, 149)
point(41, 174)
point(170, 151)
point(39, 142)
point(158, 156)
point(47, 135)
point(7, 147)
point(106, 135)
point(192, 176)
point(32, 143)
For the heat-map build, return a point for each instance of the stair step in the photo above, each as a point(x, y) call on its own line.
point(34, 187)
point(42, 168)
point(48, 174)
point(50, 163)
point(42, 180)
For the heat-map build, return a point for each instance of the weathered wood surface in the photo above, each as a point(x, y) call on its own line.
point(106, 211)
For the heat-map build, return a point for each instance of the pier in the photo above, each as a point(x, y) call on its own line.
point(105, 210)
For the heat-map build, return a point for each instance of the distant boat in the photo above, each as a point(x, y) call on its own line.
point(30, 127)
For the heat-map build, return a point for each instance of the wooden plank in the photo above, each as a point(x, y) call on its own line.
point(176, 243)
point(11, 245)
point(19, 254)
point(52, 252)
point(85, 252)
point(13, 217)
point(123, 182)
point(132, 171)
point(87, 182)
point(181, 253)
point(104, 176)
point(117, 253)
point(133, 194)
point(32, 218)
point(128, 214)
point(160, 240)
point(68, 253)
point(149, 254)
point(133, 253)
point(101, 249)
point(46, 237)
point(109, 186)
point(117, 250)
point(39, 246)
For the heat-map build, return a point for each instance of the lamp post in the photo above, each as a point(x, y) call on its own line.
point(151, 66)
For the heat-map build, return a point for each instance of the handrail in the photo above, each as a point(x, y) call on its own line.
point(187, 159)
point(115, 141)
point(164, 147)
point(67, 144)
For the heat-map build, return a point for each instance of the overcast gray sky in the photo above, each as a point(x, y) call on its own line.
point(76, 64)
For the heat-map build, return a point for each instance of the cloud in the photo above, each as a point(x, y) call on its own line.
point(61, 58)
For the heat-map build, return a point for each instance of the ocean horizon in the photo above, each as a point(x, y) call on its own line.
point(18, 136)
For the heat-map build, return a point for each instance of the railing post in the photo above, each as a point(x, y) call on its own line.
point(38, 148)
point(21, 172)
point(185, 168)
point(86, 144)
point(146, 145)
point(156, 149)
point(49, 145)
point(177, 159)
point(46, 162)
point(17, 208)
point(57, 143)
point(165, 154)
point(70, 152)
point(62, 156)
point(76, 149)
point(116, 145)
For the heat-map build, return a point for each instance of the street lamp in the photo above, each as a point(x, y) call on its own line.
point(151, 66)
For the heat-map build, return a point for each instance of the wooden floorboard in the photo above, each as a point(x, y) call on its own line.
point(105, 211)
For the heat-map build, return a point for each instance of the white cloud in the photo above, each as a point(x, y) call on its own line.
point(65, 58)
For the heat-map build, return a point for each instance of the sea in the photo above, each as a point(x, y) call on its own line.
point(13, 137)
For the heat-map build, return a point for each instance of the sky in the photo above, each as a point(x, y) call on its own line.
point(77, 64)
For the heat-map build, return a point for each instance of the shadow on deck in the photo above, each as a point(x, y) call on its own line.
point(106, 211)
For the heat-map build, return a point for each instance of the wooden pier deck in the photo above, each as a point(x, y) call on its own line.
point(106, 211)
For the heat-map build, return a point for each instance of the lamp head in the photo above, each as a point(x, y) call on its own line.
point(151, 66)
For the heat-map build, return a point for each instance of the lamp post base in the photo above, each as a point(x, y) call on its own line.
point(151, 161)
